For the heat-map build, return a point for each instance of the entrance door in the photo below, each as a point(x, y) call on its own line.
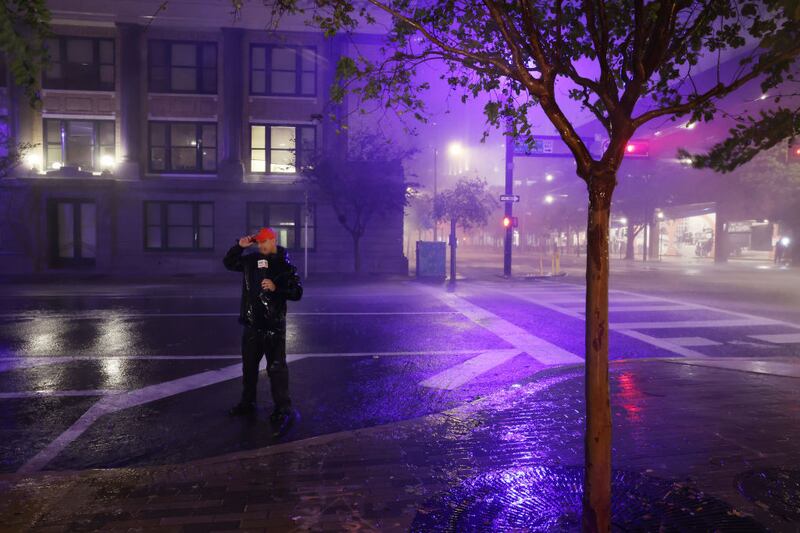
point(73, 233)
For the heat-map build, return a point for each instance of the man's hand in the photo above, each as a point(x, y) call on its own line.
point(246, 241)
point(267, 285)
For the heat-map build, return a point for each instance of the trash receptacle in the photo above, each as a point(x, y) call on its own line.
point(431, 260)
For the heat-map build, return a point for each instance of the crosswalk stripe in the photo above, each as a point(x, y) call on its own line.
point(459, 374)
point(779, 338)
point(541, 350)
point(689, 324)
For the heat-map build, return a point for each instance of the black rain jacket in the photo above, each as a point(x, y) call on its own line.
point(261, 309)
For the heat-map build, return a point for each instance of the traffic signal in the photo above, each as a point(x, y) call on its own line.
point(510, 222)
point(637, 149)
point(794, 151)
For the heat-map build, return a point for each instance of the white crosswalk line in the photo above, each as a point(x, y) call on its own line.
point(689, 324)
point(692, 341)
point(541, 350)
point(653, 341)
point(779, 338)
point(458, 375)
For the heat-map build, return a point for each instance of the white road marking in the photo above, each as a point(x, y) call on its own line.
point(779, 338)
point(24, 361)
point(541, 350)
point(459, 374)
point(692, 341)
point(638, 308)
point(653, 341)
point(125, 400)
point(56, 393)
point(664, 344)
point(681, 324)
point(105, 315)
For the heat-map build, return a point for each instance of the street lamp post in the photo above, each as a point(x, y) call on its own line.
point(509, 207)
point(435, 190)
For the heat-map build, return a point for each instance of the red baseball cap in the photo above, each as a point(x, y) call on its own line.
point(265, 234)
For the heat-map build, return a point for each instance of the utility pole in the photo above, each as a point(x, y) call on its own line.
point(435, 191)
point(509, 191)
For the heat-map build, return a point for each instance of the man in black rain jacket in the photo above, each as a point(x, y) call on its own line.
point(269, 280)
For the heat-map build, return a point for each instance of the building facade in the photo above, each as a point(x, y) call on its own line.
point(157, 146)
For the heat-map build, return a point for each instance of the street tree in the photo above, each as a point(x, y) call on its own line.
point(468, 204)
point(628, 62)
point(363, 185)
point(24, 26)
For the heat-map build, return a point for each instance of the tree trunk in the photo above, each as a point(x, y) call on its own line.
point(630, 241)
point(356, 254)
point(597, 440)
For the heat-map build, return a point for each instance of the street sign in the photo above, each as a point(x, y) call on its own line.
point(547, 146)
point(509, 198)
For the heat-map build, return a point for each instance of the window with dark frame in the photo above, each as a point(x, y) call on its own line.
point(288, 221)
point(182, 67)
point(178, 225)
point(283, 70)
point(80, 63)
point(89, 145)
point(182, 147)
point(275, 147)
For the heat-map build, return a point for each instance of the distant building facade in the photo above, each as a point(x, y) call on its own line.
point(157, 146)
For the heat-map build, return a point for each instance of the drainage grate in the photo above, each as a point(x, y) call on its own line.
point(549, 499)
point(776, 490)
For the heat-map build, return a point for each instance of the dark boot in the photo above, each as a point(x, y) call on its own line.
point(243, 408)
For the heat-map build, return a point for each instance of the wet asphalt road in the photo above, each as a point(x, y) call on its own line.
point(99, 375)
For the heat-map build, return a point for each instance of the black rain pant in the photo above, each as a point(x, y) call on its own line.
point(255, 345)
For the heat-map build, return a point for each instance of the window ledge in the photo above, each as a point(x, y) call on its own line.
point(78, 91)
point(203, 95)
point(282, 97)
point(181, 175)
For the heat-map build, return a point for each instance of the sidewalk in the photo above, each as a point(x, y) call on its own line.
point(702, 427)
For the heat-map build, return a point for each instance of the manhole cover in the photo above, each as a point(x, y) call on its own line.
point(776, 490)
point(549, 499)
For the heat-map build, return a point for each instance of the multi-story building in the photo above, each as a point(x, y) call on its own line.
point(157, 145)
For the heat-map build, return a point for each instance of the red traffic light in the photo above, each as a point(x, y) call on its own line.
point(637, 149)
point(794, 151)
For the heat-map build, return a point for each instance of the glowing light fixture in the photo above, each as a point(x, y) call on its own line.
point(107, 162)
point(455, 149)
point(549, 177)
point(549, 199)
point(33, 161)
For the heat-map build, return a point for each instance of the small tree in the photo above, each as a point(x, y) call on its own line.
point(365, 184)
point(468, 205)
point(628, 62)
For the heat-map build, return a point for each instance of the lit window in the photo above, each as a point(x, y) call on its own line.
point(87, 145)
point(276, 148)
